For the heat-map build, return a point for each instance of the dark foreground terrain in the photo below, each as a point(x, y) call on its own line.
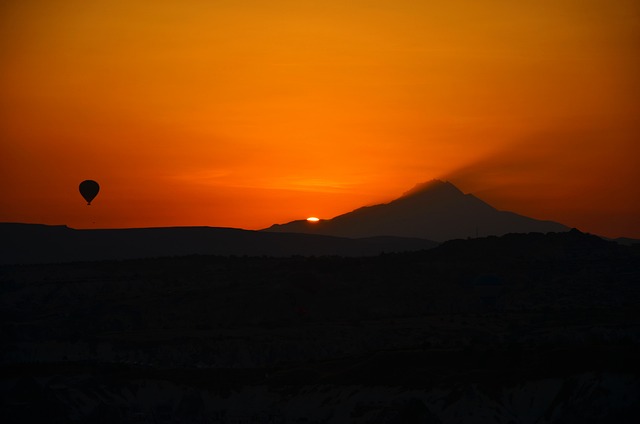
point(518, 329)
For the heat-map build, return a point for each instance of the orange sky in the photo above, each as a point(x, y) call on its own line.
point(247, 113)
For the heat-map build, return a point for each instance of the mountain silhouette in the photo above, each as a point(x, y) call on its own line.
point(435, 210)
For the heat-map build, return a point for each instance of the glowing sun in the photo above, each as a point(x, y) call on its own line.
point(313, 219)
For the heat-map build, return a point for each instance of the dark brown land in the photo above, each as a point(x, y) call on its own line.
point(519, 328)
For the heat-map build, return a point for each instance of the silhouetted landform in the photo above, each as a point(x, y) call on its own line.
point(33, 243)
point(435, 210)
point(626, 241)
point(519, 328)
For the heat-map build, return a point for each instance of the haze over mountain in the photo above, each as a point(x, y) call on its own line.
point(435, 210)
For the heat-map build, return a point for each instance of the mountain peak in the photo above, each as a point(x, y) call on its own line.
point(434, 210)
point(433, 186)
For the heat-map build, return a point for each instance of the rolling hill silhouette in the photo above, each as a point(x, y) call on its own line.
point(35, 243)
point(435, 210)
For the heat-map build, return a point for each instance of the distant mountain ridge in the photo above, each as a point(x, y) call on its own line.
point(435, 210)
point(36, 243)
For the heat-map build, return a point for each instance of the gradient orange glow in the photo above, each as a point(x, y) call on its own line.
point(249, 113)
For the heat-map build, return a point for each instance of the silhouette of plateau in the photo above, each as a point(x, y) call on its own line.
point(34, 243)
point(435, 210)
point(519, 328)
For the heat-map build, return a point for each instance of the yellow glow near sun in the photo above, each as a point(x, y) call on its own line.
point(313, 219)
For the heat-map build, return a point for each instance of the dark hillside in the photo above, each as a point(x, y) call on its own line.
point(519, 325)
point(32, 243)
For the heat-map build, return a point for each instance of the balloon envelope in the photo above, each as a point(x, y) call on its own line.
point(89, 190)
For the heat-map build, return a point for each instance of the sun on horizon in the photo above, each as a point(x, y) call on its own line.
point(201, 113)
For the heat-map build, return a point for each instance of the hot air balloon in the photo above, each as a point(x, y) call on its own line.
point(89, 190)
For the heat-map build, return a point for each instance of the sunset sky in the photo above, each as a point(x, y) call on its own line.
point(248, 113)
